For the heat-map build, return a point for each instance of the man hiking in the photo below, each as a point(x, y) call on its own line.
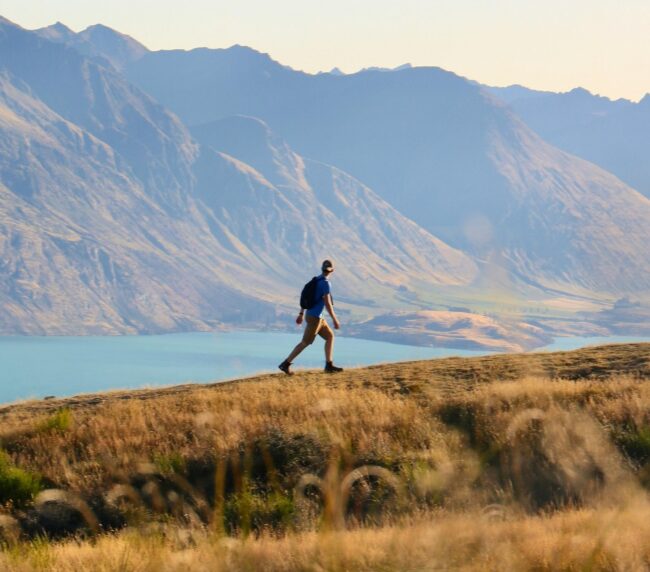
point(315, 324)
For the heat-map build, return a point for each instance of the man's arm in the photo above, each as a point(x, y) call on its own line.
point(330, 309)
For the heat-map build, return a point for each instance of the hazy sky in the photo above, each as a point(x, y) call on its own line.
point(602, 45)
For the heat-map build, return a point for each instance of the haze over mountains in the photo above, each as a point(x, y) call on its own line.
point(437, 148)
point(612, 134)
point(154, 231)
point(159, 191)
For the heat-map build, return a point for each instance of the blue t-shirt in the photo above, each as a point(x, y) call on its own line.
point(322, 288)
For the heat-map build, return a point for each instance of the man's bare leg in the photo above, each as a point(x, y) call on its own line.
point(329, 349)
point(296, 352)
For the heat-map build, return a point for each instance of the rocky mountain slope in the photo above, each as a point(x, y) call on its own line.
point(613, 134)
point(402, 252)
point(115, 219)
point(84, 248)
point(441, 151)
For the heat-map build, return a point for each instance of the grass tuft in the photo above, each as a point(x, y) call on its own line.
point(251, 511)
point(170, 463)
point(60, 422)
point(17, 487)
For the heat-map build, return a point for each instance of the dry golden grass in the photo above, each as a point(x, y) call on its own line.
point(117, 435)
point(382, 411)
point(532, 461)
point(589, 539)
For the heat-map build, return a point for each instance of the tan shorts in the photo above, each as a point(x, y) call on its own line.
point(315, 326)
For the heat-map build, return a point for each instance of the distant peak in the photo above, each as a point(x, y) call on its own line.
point(245, 49)
point(119, 49)
point(57, 32)
point(381, 69)
point(645, 101)
point(253, 55)
point(99, 26)
point(580, 92)
point(102, 31)
point(61, 27)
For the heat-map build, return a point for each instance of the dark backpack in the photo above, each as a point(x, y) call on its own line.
point(308, 294)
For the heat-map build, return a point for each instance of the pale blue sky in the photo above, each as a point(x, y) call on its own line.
point(602, 45)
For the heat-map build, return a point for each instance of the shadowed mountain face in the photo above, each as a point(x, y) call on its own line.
point(84, 248)
point(340, 209)
point(114, 219)
point(613, 134)
point(437, 148)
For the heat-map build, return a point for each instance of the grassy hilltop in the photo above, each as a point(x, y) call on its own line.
point(503, 462)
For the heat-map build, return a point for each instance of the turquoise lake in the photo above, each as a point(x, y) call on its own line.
point(35, 367)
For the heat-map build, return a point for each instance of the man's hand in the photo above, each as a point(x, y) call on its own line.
point(330, 309)
point(299, 319)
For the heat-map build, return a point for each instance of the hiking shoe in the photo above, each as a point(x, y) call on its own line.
point(285, 366)
point(331, 368)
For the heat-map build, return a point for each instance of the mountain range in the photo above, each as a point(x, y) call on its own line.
point(161, 191)
point(438, 148)
point(117, 219)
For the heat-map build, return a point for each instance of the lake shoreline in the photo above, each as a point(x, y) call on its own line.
point(40, 366)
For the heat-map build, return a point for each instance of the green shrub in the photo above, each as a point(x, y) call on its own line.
point(635, 443)
point(58, 422)
point(17, 486)
point(172, 463)
point(248, 511)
